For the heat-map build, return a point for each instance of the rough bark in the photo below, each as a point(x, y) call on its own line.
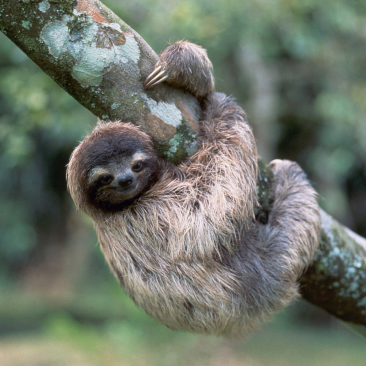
point(336, 280)
point(102, 63)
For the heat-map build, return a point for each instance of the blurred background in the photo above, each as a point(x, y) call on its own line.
point(298, 67)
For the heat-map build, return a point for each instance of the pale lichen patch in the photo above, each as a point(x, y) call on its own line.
point(26, 24)
point(130, 49)
point(44, 6)
point(89, 70)
point(167, 112)
point(115, 105)
point(56, 36)
point(91, 46)
point(362, 302)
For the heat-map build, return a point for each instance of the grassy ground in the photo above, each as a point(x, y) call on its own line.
point(119, 344)
point(113, 332)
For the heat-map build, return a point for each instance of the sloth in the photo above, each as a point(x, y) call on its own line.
point(183, 240)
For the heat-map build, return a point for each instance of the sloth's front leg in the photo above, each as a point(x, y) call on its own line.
point(184, 64)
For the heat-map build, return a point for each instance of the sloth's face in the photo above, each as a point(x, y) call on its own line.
point(112, 167)
point(115, 185)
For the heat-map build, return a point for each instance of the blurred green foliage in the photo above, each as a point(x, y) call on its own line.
point(39, 126)
point(296, 66)
point(132, 338)
point(302, 62)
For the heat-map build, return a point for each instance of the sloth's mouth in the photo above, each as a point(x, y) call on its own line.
point(125, 193)
point(124, 190)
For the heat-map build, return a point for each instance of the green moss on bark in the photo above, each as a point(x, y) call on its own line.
point(179, 147)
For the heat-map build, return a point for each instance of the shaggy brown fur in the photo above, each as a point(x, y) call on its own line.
point(188, 250)
point(185, 65)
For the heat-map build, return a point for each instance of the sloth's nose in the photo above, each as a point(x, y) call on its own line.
point(125, 181)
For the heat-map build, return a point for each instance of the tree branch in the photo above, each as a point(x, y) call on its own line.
point(336, 280)
point(102, 63)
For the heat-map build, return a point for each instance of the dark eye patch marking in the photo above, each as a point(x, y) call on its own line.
point(105, 179)
point(137, 167)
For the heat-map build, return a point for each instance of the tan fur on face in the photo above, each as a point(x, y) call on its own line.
point(97, 172)
point(189, 251)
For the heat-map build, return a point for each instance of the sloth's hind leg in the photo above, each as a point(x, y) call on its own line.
point(295, 215)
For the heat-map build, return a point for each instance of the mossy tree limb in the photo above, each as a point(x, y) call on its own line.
point(336, 280)
point(102, 63)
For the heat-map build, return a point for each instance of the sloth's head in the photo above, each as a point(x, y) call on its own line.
point(112, 167)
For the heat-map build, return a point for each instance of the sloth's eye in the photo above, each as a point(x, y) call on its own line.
point(137, 167)
point(105, 179)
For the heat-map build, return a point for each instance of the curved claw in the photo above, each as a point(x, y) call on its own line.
point(155, 77)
